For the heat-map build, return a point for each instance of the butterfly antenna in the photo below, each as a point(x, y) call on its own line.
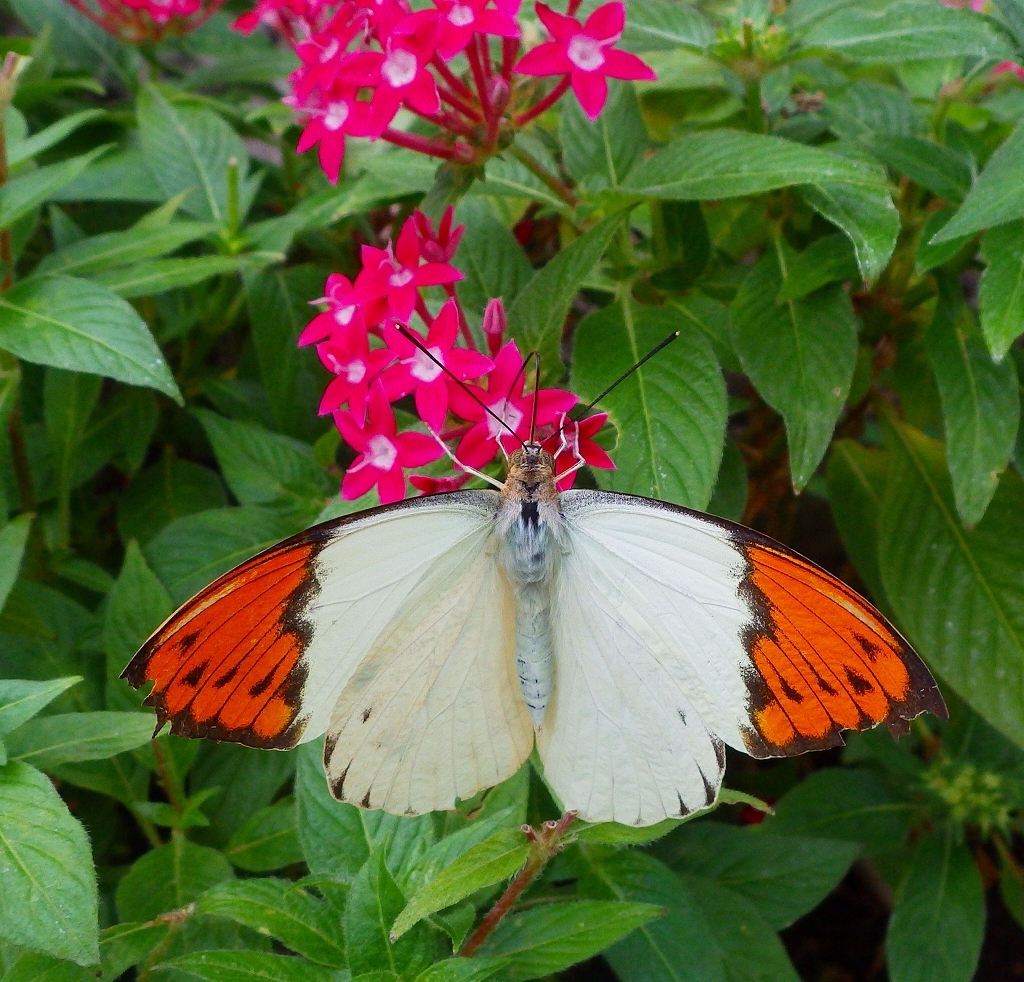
point(515, 381)
point(410, 336)
point(536, 396)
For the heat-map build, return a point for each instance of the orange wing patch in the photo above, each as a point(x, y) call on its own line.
point(228, 664)
point(825, 659)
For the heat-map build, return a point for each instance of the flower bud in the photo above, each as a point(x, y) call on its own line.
point(494, 325)
point(498, 93)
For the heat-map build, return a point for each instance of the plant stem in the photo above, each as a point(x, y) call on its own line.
point(546, 844)
point(419, 143)
point(6, 249)
point(546, 103)
point(509, 50)
point(454, 82)
point(165, 777)
point(19, 458)
point(460, 104)
point(538, 170)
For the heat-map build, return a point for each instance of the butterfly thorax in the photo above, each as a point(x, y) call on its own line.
point(529, 528)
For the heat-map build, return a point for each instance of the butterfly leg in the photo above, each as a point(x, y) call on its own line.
point(465, 467)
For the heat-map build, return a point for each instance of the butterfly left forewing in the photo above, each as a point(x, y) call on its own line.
point(778, 656)
point(261, 655)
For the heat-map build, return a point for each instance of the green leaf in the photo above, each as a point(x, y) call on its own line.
point(1002, 287)
point(48, 888)
point(846, 804)
point(606, 149)
point(670, 414)
point(373, 904)
point(674, 948)
point(194, 550)
point(169, 877)
point(827, 260)
point(170, 489)
point(662, 25)
point(490, 862)
point(908, 30)
point(337, 838)
point(268, 840)
point(13, 538)
point(931, 564)
point(244, 966)
point(21, 699)
point(263, 468)
point(980, 403)
point(938, 920)
point(81, 326)
point(941, 170)
point(21, 150)
point(931, 256)
point(729, 499)
point(278, 303)
point(188, 149)
point(866, 214)
point(114, 249)
point(997, 196)
point(538, 313)
point(23, 194)
point(730, 164)
point(784, 877)
point(462, 970)
point(856, 483)
point(492, 261)
point(48, 741)
point(136, 606)
point(283, 911)
point(800, 355)
point(1011, 892)
point(160, 275)
point(549, 939)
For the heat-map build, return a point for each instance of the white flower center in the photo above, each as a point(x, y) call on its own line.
point(585, 53)
point(400, 278)
point(399, 68)
point(382, 453)
point(355, 371)
point(421, 367)
point(506, 412)
point(337, 113)
point(344, 315)
point(329, 51)
point(460, 15)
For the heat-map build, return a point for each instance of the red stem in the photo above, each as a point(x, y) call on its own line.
point(419, 143)
point(456, 83)
point(467, 334)
point(446, 121)
point(485, 55)
point(421, 309)
point(546, 103)
point(473, 53)
point(84, 9)
point(509, 50)
point(574, 5)
point(460, 104)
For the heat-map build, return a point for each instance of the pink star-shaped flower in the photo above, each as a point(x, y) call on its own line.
point(344, 309)
point(383, 451)
point(456, 21)
point(404, 78)
point(504, 397)
point(349, 356)
point(440, 246)
point(572, 440)
point(585, 53)
point(417, 373)
point(397, 275)
point(437, 485)
point(332, 115)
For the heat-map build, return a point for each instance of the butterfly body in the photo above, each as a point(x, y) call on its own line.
point(435, 641)
point(528, 525)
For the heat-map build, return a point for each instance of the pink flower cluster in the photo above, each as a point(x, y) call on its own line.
point(475, 406)
point(363, 60)
point(147, 21)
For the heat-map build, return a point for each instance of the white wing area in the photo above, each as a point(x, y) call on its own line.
point(365, 576)
point(642, 701)
point(434, 713)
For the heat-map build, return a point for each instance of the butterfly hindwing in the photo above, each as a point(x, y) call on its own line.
point(261, 655)
point(434, 712)
point(777, 655)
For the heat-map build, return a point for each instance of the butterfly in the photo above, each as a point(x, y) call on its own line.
point(437, 640)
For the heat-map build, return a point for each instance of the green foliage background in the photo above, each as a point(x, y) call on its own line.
point(826, 198)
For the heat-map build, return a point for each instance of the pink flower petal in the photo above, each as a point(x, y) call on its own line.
point(352, 433)
point(621, 64)
point(436, 274)
point(592, 91)
point(332, 153)
point(545, 59)
point(560, 27)
point(468, 364)
point(607, 21)
point(407, 248)
point(417, 449)
point(445, 329)
point(477, 447)
point(391, 485)
point(432, 405)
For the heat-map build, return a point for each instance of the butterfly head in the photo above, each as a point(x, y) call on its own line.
point(531, 476)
